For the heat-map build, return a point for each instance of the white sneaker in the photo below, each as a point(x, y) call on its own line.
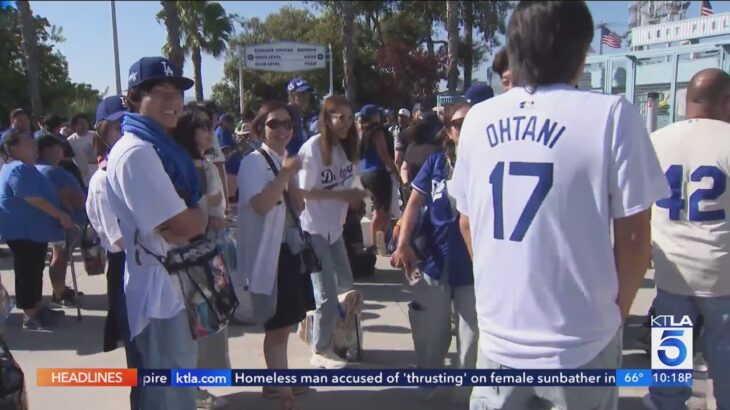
point(327, 360)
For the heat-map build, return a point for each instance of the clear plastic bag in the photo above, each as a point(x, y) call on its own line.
point(6, 305)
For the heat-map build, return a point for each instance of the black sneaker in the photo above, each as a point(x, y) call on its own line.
point(38, 323)
point(54, 315)
point(67, 298)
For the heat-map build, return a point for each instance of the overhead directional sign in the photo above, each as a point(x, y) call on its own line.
point(285, 56)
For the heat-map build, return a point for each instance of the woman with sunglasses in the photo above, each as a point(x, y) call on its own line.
point(31, 216)
point(442, 275)
point(268, 201)
point(327, 178)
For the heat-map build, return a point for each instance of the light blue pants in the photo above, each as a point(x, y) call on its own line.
point(335, 278)
point(714, 343)
point(167, 344)
point(553, 398)
point(430, 317)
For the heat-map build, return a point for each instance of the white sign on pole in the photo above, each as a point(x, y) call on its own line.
point(698, 27)
point(285, 56)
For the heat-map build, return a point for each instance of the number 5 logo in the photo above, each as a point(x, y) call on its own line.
point(670, 339)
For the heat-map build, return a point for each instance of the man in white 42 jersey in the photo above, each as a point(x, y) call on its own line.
point(691, 231)
point(542, 172)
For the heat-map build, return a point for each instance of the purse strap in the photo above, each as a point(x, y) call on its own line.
point(287, 199)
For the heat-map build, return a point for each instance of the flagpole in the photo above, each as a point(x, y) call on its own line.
point(116, 48)
point(600, 39)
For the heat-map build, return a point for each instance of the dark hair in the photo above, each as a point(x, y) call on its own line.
point(449, 111)
point(136, 93)
point(102, 128)
point(17, 113)
point(53, 121)
point(12, 139)
point(75, 119)
point(259, 122)
point(328, 140)
point(184, 132)
point(548, 41)
point(501, 61)
point(46, 141)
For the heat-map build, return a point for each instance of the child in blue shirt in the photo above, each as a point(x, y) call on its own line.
point(73, 200)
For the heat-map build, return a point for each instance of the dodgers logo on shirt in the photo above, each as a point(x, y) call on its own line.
point(328, 176)
point(671, 342)
point(437, 189)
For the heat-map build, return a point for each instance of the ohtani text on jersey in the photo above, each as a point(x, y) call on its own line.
point(524, 128)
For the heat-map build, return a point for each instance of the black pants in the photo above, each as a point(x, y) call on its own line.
point(116, 327)
point(29, 261)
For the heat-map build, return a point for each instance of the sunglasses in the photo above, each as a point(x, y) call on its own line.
point(457, 123)
point(277, 124)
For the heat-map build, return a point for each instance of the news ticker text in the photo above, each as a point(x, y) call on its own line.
point(360, 377)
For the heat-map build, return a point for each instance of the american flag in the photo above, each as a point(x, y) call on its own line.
point(610, 38)
point(706, 8)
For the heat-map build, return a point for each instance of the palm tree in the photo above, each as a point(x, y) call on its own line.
point(172, 49)
point(348, 58)
point(31, 56)
point(452, 28)
point(205, 27)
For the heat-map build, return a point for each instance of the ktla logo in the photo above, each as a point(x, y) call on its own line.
point(671, 343)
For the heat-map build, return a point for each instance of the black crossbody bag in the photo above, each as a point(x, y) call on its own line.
point(310, 261)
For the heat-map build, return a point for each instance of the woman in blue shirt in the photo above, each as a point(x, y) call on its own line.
point(378, 171)
point(30, 217)
point(443, 275)
point(73, 200)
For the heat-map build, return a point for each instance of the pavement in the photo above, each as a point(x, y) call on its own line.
point(387, 344)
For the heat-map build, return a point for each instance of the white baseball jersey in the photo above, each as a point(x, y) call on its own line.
point(690, 228)
point(540, 176)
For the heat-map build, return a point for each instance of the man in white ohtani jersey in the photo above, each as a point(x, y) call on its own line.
point(691, 231)
point(542, 172)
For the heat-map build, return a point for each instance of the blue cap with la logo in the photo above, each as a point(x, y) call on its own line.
point(148, 69)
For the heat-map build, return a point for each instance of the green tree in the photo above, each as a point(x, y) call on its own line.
point(57, 92)
point(452, 31)
point(170, 16)
point(206, 28)
point(31, 55)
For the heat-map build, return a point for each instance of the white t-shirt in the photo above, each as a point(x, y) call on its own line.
point(690, 230)
point(215, 185)
point(83, 146)
point(324, 217)
point(100, 214)
point(259, 237)
point(540, 177)
point(142, 196)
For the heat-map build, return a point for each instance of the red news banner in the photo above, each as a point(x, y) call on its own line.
point(86, 377)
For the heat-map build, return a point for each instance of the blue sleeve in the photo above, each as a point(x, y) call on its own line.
point(233, 164)
point(25, 180)
point(422, 181)
point(62, 179)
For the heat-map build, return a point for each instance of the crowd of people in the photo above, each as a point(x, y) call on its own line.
point(526, 217)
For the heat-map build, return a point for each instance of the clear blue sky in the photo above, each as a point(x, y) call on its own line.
point(88, 46)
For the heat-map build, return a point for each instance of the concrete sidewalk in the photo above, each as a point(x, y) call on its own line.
point(387, 343)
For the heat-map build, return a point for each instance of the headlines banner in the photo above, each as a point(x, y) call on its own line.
point(359, 377)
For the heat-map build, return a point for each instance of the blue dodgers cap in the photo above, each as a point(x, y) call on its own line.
point(367, 112)
point(156, 68)
point(110, 109)
point(299, 85)
point(478, 92)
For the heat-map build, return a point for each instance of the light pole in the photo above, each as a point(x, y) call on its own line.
point(116, 48)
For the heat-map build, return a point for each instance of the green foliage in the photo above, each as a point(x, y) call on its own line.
point(58, 93)
point(398, 60)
